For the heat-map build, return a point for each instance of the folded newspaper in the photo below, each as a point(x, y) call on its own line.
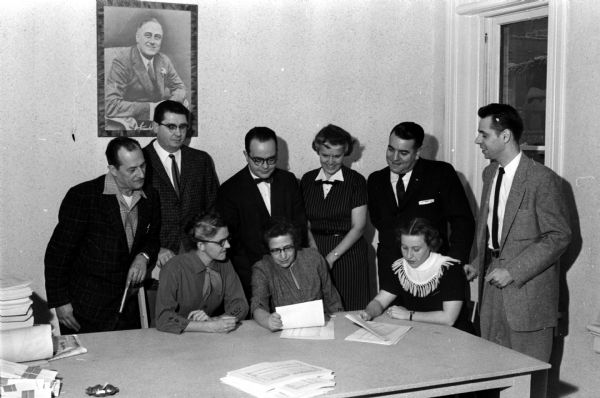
point(376, 332)
point(66, 346)
point(285, 379)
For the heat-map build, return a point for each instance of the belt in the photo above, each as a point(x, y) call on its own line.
point(493, 253)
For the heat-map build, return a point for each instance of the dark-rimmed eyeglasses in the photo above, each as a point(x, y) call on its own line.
point(173, 127)
point(261, 161)
point(221, 242)
point(280, 250)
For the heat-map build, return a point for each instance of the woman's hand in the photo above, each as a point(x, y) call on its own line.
point(223, 324)
point(275, 322)
point(331, 259)
point(364, 315)
point(398, 312)
point(198, 316)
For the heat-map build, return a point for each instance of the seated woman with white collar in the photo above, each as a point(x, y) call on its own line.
point(432, 287)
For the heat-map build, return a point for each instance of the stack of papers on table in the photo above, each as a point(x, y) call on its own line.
point(376, 332)
point(284, 379)
point(18, 380)
point(15, 304)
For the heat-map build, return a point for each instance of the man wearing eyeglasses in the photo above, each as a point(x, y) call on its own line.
point(184, 177)
point(252, 197)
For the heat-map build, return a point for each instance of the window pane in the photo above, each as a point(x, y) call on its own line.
point(524, 51)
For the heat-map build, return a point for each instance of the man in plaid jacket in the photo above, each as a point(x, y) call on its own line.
point(107, 234)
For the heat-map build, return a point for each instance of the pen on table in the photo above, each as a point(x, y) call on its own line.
point(124, 295)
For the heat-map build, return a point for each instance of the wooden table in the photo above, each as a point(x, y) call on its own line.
point(429, 361)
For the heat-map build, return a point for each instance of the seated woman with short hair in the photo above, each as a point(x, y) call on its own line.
point(201, 283)
point(289, 275)
point(432, 287)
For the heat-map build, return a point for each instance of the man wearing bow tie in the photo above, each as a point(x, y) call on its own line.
point(254, 195)
point(414, 187)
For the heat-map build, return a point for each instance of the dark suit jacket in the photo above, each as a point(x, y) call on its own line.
point(129, 89)
point(87, 259)
point(198, 186)
point(246, 215)
point(535, 232)
point(434, 192)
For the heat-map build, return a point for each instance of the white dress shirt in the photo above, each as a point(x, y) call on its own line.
point(337, 176)
point(394, 179)
point(166, 160)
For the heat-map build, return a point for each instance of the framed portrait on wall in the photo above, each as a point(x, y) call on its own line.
point(147, 53)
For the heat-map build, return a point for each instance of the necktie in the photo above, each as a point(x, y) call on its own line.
point(175, 173)
point(268, 180)
point(400, 188)
point(212, 283)
point(325, 182)
point(151, 73)
point(495, 241)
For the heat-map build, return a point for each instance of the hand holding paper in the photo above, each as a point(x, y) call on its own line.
point(302, 315)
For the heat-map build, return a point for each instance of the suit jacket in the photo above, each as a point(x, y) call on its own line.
point(198, 186)
point(434, 192)
point(129, 89)
point(246, 215)
point(87, 258)
point(535, 232)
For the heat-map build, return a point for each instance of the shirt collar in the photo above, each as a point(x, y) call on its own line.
point(145, 60)
point(164, 155)
point(394, 177)
point(111, 187)
point(511, 168)
point(337, 176)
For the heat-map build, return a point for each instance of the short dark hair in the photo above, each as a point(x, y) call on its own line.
point(333, 135)
point(281, 227)
point(170, 106)
point(410, 131)
point(262, 134)
point(504, 117)
point(201, 227)
point(421, 226)
point(112, 149)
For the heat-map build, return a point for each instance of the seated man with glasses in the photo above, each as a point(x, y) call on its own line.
point(289, 275)
point(199, 291)
point(252, 196)
point(184, 177)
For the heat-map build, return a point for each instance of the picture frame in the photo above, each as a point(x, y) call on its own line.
point(146, 53)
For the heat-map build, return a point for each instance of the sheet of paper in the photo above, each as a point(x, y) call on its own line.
point(302, 315)
point(26, 344)
point(326, 332)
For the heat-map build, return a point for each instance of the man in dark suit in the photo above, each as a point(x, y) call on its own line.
point(184, 177)
point(140, 77)
point(106, 236)
point(414, 187)
point(254, 195)
point(522, 230)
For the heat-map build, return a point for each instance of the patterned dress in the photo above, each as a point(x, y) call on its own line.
point(330, 219)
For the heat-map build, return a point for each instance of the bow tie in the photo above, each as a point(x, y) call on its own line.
point(325, 182)
point(268, 180)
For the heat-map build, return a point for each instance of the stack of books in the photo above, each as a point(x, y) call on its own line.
point(285, 379)
point(15, 304)
point(19, 381)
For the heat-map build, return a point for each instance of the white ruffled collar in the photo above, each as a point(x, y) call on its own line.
point(423, 280)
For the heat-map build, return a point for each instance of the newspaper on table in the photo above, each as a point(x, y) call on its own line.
point(376, 332)
point(285, 379)
point(17, 380)
point(66, 346)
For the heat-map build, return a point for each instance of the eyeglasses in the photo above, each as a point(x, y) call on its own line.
point(173, 127)
point(280, 250)
point(261, 161)
point(221, 242)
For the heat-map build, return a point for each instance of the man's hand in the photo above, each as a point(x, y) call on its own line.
point(137, 271)
point(65, 316)
point(198, 316)
point(164, 255)
point(499, 277)
point(471, 272)
point(275, 322)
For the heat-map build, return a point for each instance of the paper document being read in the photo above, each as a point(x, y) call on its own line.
point(376, 332)
point(303, 315)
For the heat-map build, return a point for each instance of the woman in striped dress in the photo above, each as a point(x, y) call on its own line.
point(336, 207)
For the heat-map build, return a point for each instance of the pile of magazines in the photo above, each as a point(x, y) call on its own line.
point(15, 304)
